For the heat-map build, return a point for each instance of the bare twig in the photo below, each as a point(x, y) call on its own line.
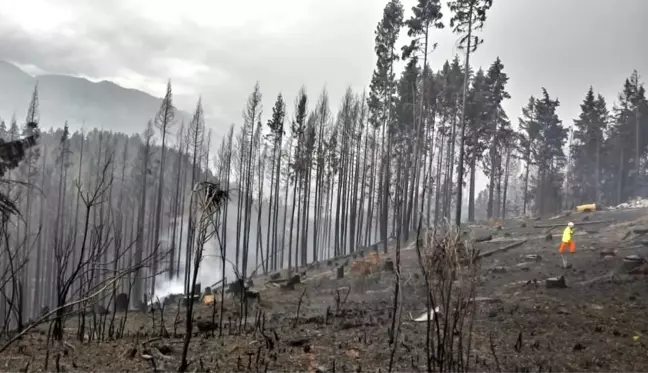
point(54, 311)
point(299, 303)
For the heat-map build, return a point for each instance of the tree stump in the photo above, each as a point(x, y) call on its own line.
point(631, 262)
point(556, 283)
point(121, 302)
point(532, 258)
point(340, 272)
point(292, 281)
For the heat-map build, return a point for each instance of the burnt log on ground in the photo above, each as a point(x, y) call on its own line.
point(501, 249)
point(576, 224)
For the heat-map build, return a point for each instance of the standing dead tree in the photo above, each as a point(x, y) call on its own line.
point(63, 252)
point(450, 268)
point(211, 199)
point(16, 256)
point(101, 288)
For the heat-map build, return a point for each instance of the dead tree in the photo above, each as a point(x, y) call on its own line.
point(63, 252)
point(211, 199)
point(450, 268)
point(14, 263)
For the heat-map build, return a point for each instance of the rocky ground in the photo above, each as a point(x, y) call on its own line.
point(595, 323)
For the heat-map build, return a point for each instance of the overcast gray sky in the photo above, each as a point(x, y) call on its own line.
point(218, 48)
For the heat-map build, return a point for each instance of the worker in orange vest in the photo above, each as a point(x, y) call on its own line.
point(567, 241)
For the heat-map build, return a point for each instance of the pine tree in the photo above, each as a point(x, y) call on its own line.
point(476, 125)
point(407, 114)
point(528, 135)
point(276, 126)
point(498, 128)
point(381, 99)
point(626, 143)
point(589, 129)
point(3, 130)
point(549, 156)
point(298, 132)
point(468, 17)
point(426, 15)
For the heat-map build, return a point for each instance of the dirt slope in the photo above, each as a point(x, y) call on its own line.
point(596, 323)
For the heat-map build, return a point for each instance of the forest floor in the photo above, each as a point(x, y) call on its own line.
point(596, 323)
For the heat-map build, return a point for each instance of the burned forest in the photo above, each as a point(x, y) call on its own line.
point(413, 226)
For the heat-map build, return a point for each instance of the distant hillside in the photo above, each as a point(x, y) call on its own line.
point(100, 105)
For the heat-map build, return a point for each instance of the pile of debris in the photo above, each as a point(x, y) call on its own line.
point(634, 203)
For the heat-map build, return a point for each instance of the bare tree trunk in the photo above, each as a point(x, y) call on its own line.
point(460, 172)
point(506, 182)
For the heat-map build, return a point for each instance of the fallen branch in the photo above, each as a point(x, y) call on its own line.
point(501, 249)
point(576, 224)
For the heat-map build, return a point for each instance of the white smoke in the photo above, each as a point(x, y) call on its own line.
point(210, 271)
point(167, 287)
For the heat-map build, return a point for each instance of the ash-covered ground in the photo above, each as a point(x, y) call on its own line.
point(595, 323)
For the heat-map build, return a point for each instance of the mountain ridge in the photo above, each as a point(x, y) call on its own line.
point(77, 100)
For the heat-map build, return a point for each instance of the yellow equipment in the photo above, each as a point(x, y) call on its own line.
point(586, 208)
point(208, 299)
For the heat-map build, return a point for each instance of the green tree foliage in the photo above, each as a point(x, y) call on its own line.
point(468, 17)
point(548, 156)
point(626, 144)
point(383, 87)
point(586, 148)
point(528, 134)
point(476, 120)
point(426, 14)
point(498, 130)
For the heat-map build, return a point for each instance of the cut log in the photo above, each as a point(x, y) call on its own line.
point(501, 249)
point(640, 230)
point(484, 238)
point(576, 224)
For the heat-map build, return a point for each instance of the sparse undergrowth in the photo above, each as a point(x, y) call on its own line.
point(329, 324)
